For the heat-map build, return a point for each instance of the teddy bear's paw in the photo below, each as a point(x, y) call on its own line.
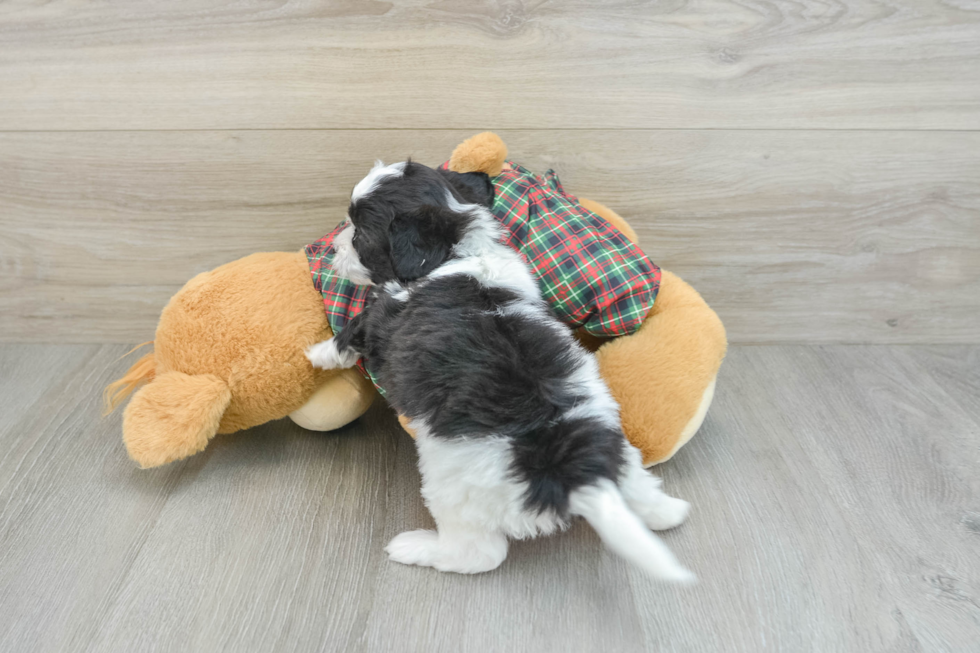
point(414, 548)
point(174, 416)
point(326, 356)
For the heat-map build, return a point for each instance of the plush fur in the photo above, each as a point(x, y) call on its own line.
point(481, 153)
point(516, 431)
point(675, 398)
point(212, 330)
point(178, 410)
point(249, 321)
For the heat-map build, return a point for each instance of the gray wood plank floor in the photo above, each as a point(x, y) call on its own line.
point(836, 495)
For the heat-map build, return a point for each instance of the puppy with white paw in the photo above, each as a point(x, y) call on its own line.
point(516, 432)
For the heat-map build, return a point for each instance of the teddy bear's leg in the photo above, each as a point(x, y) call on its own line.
point(338, 402)
point(173, 416)
point(663, 376)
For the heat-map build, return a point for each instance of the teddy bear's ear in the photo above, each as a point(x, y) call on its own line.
point(421, 240)
point(475, 187)
point(481, 153)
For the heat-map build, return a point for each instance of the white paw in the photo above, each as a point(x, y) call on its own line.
point(471, 563)
point(414, 548)
point(462, 556)
point(325, 356)
point(667, 512)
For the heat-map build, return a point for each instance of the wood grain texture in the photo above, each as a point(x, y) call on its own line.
point(790, 236)
point(194, 64)
point(277, 549)
point(73, 512)
point(835, 494)
point(955, 369)
point(901, 460)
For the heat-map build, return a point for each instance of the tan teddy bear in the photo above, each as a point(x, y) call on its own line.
point(229, 354)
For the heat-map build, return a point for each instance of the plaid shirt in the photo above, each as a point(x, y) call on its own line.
point(592, 275)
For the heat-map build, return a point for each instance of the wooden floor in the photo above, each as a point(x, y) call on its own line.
point(836, 507)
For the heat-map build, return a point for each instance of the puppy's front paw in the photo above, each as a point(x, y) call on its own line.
point(414, 548)
point(325, 356)
point(666, 513)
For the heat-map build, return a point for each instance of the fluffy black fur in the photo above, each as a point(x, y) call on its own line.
point(452, 355)
point(448, 354)
point(405, 231)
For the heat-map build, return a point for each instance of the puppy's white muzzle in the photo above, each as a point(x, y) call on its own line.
point(346, 262)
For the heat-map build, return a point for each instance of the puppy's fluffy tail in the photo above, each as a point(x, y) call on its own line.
point(622, 531)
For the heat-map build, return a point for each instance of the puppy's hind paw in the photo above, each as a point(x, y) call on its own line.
point(326, 356)
point(414, 548)
point(666, 513)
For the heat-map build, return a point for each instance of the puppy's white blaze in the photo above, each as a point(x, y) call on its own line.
point(365, 186)
point(622, 531)
point(506, 269)
point(325, 356)
point(530, 310)
point(483, 232)
point(455, 205)
point(391, 287)
point(396, 290)
point(500, 269)
point(599, 403)
point(346, 263)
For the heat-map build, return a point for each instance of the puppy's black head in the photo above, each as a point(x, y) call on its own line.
point(405, 219)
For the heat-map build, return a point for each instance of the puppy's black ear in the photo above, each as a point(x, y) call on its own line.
point(475, 187)
point(422, 240)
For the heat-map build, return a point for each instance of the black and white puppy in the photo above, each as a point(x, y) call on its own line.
point(516, 431)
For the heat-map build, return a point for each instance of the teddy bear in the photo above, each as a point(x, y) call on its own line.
point(229, 352)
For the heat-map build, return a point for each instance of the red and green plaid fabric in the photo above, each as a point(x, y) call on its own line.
point(591, 274)
point(342, 299)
